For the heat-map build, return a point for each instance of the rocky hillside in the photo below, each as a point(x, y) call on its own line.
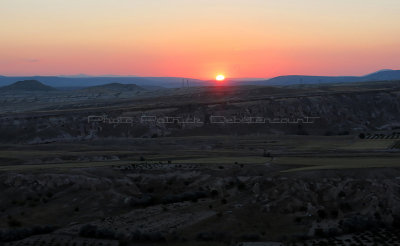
point(336, 113)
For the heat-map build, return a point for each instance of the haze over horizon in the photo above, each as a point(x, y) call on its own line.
point(177, 38)
point(83, 75)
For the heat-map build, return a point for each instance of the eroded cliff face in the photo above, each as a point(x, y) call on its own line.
point(338, 113)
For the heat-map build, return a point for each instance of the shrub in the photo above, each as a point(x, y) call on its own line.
point(211, 236)
point(21, 233)
point(251, 237)
point(241, 185)
point(93, 231)
point(334, 214)
point(145, 200)
point(329, 133)
point(266, 154)
point(214, 193)
point(186, 196)
point(138, 236)
point(12, 222)
point(321, 214)
point(49, 194)
point(298, 219)
point(319, 232)
point(88, 231)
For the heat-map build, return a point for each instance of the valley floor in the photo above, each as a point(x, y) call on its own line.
point(220, 189)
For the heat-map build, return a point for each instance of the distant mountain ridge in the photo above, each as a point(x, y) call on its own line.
point(382, 75)
point(80, 81)
point(57, 81)
point(27, 85)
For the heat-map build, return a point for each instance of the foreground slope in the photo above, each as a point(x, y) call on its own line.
point(67, 180)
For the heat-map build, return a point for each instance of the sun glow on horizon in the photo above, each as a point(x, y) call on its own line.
point(220, 77)
point(198, 39)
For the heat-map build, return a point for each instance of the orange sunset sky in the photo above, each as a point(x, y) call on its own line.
point(199, 38)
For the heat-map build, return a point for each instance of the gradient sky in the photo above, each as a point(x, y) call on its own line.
point(199, 38)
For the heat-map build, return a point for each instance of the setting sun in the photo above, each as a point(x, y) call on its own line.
point(220, 77)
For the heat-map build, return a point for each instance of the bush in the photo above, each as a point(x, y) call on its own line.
point(358, 223)
point(266, 154)
point(12, 222)
point(93, 231)
point(214, 193)
point(145, 200)
point(211, 236)
point(43, 229)
point(333, 232)
point(21, 233)
point(329, 133)
point(343, 133)
point(345, 207)
point(319, 232)
point(321, 214)
point(105, 234)
point(186, 196)
point(138, 236)
point(334, 214)
point(49, 194)
point(241, 185)
point(88, 231)
point(298, 219)
point(251, 237)
point(14, 234)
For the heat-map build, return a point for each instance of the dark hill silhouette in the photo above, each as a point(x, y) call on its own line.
point(383, 75)
point(62, 82)
point(27, 85)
